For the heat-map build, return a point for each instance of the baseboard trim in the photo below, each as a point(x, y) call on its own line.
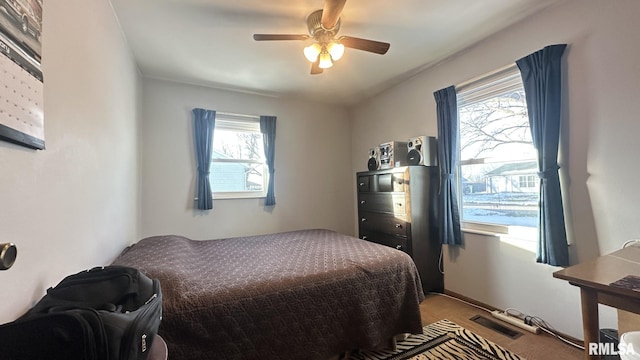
point(470, 300)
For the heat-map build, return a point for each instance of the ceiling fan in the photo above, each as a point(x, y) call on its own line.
point(327, 47)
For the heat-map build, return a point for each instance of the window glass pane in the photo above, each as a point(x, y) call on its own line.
point(493, 193)
point(238, 167)
point(499, 173)
point(230, 144)
point(496, 129)
point(236, 177)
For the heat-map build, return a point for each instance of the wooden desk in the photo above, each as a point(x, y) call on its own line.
point(593, 279)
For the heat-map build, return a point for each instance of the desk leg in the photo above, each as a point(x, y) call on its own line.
point(590, 323)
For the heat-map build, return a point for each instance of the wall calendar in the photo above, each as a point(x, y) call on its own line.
point(21, 80)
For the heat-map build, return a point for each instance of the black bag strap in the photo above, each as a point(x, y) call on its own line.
point(102, 284)
point(119, 285)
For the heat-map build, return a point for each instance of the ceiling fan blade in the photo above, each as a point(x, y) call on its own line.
point(331, 12)
point(315, 68)
point(377, 47)
point(268, 37)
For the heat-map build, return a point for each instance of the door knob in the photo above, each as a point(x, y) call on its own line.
point(8, 253)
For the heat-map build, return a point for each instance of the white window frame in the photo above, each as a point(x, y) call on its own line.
point(240, 123)
point(477, 88)
point(527, 181)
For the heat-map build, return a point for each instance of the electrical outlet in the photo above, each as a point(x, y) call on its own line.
point(516, 321)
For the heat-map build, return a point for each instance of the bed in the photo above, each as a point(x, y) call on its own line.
point(309, 294)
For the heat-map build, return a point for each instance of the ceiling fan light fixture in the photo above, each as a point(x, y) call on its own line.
point(324, 45)
point(336, 50)
point(325, 60)
point(312, 51)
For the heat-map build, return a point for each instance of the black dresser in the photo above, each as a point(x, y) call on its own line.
point(397, 207)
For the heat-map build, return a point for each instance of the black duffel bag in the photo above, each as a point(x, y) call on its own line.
point(118, 310)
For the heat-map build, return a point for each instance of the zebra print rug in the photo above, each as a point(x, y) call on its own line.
point(441, 340)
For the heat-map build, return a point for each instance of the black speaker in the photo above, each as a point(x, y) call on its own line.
point(374, 159)
point(422, 150)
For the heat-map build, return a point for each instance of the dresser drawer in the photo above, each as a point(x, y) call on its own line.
point(386, 223)
point(395, 241)
point(399, 182)
point(386, 182)
point(382, 202)
point(390, 182)
point(364, 183)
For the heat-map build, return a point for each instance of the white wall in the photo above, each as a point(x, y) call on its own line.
point(599, 142)
point(312, 162)
point(75, 204)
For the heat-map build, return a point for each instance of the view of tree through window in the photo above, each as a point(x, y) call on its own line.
point(498, 173)
point(238, 163)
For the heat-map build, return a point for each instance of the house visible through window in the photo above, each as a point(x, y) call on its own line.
point(238, 168)
point(498, 171)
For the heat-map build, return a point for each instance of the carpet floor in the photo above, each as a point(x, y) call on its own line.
point(441, 340)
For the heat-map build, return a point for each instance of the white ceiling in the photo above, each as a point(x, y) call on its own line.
point(209, 42)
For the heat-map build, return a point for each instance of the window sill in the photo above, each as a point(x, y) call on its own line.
point(481, 232)
point(237, 197)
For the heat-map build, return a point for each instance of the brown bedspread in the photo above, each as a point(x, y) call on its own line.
point(297, 295)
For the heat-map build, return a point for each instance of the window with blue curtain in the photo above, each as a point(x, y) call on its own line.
point(242, 156)
point(509, 127)
point(238, 165)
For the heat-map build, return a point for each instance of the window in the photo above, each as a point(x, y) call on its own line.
point(498, 169)
point(528, 181)
point(238, 167)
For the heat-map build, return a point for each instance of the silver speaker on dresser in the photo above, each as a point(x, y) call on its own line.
point(392, 153)
point(422, 150)
point(374, 159)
